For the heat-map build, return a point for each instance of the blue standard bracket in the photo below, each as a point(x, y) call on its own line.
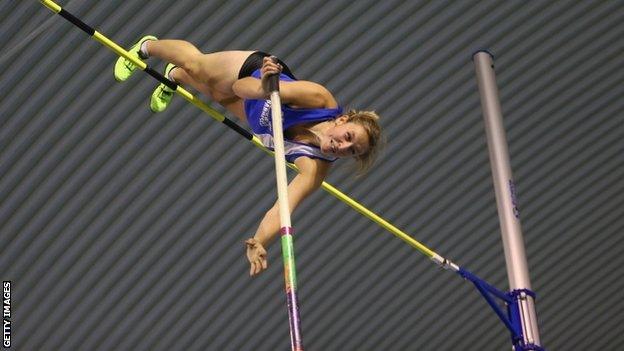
point(511, 318)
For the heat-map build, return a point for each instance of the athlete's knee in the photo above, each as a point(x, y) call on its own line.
point(192, 65)
point(223, 98)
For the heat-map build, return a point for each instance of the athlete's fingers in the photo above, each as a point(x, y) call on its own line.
point(258, 266)
point(265, 264)
point(254, 270)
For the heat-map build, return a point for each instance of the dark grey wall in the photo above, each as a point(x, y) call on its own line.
point(121, 229)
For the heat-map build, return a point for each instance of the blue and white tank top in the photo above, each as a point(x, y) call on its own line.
point(259, 118)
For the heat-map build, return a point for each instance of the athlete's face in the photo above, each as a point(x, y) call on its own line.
point(345, 139)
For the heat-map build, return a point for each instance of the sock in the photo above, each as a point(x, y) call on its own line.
point(170, 76)
point(143, 54)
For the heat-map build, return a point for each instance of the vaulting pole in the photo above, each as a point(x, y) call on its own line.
point(507, 204)
point(288, 250)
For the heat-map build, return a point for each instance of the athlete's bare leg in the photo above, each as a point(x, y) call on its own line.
point(231, 102)
point(212, 74)
point(219, 70)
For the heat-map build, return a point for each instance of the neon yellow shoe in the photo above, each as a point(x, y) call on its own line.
point(161, 97)
point(124, 67)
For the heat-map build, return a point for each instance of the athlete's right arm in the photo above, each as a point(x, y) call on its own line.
point(301, 94)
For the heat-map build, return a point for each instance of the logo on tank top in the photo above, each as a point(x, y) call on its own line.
point(265, 120)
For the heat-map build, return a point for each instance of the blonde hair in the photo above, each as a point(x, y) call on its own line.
point(370, 121)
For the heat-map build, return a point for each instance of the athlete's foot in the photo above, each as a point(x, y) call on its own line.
point(124, 67)
point(161, 97)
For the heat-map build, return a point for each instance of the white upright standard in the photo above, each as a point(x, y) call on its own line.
point(513, 242)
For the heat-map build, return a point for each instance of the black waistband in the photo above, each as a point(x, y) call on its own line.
point(254, 62)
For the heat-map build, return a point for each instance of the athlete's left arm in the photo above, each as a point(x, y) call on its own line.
point(312, 172)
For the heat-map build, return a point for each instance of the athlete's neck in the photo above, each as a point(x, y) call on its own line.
point(309, 132)
point(320, 129)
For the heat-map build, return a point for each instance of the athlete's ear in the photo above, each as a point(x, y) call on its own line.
point(341, 120)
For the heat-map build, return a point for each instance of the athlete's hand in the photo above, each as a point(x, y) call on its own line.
point(270, 66)
point(257, 256)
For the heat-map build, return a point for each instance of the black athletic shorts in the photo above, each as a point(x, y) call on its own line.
point(254, 62)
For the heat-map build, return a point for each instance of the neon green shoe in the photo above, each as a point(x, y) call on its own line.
point(161, 97)
point(124, 67)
